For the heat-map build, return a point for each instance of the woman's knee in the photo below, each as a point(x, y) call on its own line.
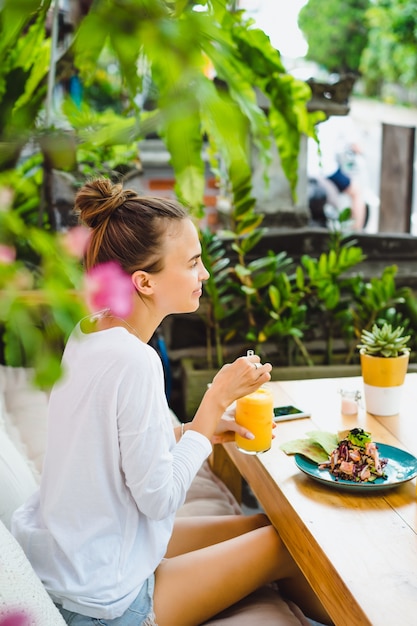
point(260, 520)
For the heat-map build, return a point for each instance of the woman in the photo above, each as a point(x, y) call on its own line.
point(101, 533)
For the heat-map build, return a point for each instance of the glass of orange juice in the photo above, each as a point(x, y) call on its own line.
point(255, 412)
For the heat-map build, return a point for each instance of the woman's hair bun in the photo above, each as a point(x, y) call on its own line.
point(97, 200)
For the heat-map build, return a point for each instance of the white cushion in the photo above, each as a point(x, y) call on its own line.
point(21, 591)
point(17, 482)
point(208, 495)
point(22, 438)
point(265, 607)
point(25, 414)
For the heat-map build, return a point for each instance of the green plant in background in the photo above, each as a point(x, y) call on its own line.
point(160, 52)
point(39, 303)
point(376, 39)
point(380, 299)
point(341, 303)
point(284, 303)
point(99, 153)
point(388, 58)
point(336, 34)
point(25, 182)
point(218, 308)
point(174, 44)
point(233, 305)
point(232, 296)
point(24, 62)
point(282, 315)
point(285, 306)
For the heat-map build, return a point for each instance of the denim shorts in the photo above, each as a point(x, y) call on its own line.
point(139, 613)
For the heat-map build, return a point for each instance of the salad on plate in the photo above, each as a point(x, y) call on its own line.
point(356, 458)
point(350, 455)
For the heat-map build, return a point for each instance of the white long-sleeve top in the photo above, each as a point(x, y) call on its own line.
point(113, 476)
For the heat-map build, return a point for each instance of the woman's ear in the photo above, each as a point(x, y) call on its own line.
point(142, 282)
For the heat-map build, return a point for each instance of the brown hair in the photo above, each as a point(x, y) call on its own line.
point(126, 227)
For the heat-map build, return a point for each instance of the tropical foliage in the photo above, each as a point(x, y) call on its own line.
point(391, 53)
point(282, 307)
point(167, 54)
point(190, 73)
point(376, 39)
point(336, 33)
point(40, 298)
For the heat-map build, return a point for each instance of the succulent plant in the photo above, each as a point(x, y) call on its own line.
point(384, 341)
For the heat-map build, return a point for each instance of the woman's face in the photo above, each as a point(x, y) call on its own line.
point(178, 287)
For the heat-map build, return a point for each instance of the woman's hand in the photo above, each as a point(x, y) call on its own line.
point(233, 381)
point(227, 428)
point(245, 375)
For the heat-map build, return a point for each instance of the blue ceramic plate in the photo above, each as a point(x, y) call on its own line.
point(401, 467)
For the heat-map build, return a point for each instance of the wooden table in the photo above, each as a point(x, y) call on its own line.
point(358, 551)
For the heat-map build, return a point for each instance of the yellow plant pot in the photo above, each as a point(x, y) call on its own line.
point(383, 379)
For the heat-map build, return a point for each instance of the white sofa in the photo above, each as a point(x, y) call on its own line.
point(22, 444)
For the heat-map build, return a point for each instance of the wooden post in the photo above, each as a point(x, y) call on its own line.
point(396, 179)
point(224, 468)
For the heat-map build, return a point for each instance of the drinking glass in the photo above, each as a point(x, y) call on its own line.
point(255, 412)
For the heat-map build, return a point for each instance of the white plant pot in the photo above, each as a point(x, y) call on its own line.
point(383, 380)
point(382, 400)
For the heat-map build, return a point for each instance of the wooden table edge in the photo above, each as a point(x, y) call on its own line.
point(286, 521)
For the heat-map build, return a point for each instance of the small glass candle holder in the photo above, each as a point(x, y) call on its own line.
point(350, 401)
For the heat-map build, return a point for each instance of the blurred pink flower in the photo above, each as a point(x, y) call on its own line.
point(7, 254)
point(107, 286)
point(75, 240)
point(16, 619)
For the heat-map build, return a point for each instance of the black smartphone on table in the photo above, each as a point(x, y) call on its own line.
point(288, 412)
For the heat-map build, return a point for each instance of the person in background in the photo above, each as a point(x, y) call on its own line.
point(101, 532)
point(338, 138)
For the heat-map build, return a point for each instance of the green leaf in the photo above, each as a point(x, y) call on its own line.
point(299, 274)
point(317, 446)
point(274, 296)
point(307, 448)
point(327, 440)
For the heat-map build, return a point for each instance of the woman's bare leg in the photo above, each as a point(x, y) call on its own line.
point(192, 587)
point(193, 533)
point(358, 206)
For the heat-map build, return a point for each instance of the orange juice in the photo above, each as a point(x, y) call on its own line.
point(255, 412)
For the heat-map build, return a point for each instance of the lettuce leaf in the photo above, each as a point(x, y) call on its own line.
point(317, 447)
point(326, 440)
point(307, 448)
